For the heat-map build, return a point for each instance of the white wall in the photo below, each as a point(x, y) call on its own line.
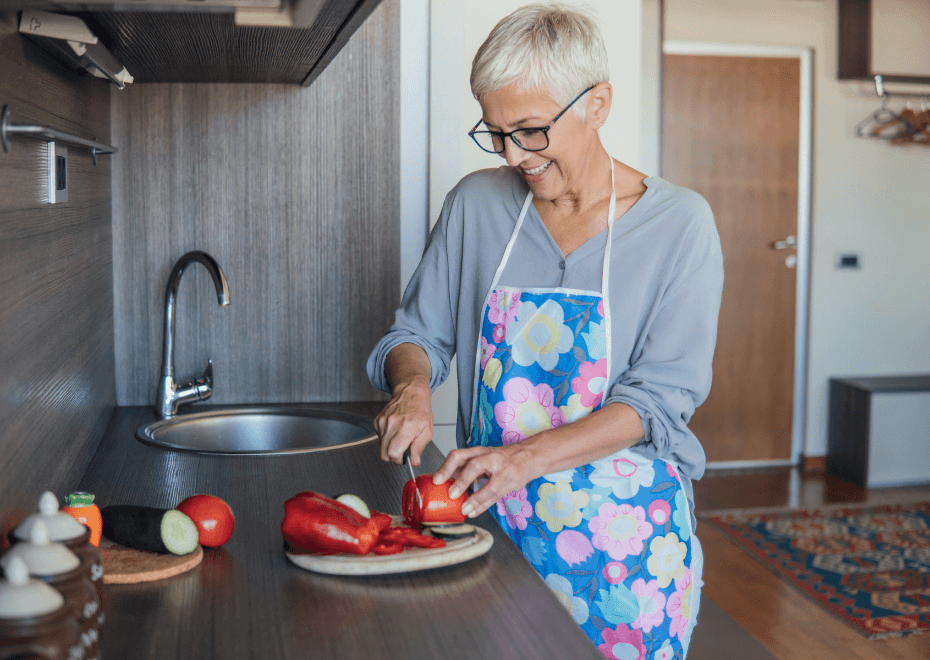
point(905, 24)
point(457, 29)
point(869, 197)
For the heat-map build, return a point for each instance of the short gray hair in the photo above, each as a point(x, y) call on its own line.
point(551, 47)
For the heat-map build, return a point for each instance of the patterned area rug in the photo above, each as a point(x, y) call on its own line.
point(867, 565)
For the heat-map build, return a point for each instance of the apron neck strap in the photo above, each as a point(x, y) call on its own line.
point(612, 209)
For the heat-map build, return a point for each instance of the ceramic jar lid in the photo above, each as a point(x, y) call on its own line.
point(43, 557)
point(22, 597)
point(61, 526)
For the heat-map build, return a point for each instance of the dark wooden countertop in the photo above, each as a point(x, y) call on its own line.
point(246, 600)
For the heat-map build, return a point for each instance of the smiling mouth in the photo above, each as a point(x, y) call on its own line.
point(539, 170)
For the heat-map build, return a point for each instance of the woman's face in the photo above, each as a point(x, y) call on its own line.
point(556, 171)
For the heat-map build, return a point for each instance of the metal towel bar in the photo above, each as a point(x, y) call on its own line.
point(7, 129)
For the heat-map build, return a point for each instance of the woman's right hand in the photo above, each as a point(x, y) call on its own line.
point(407, 419)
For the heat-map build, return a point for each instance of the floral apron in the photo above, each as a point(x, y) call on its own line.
point(612, 538)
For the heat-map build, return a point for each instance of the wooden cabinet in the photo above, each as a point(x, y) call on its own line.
point(880, 430)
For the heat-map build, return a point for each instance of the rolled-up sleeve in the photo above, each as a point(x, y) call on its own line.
point(670, 369)
point(425, 316)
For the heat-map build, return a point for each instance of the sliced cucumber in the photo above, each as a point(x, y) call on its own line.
point(151, 529)
point(179, 533)
point(355, 503)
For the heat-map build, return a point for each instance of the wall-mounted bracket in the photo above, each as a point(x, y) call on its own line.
point(69, 38)
point(881, 92)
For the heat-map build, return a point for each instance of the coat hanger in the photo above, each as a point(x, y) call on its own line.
point(922, 123)
point(920, 133)
point(884, 123)
point(906, 126)
point(909, 117)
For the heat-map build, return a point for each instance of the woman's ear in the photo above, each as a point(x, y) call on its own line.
point(598, 103)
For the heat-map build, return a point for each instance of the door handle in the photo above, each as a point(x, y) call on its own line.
point(787, 244)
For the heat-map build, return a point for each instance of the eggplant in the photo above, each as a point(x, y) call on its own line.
point(149, 528)
point(452, 532)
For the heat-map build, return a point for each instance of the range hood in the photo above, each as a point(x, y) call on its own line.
point(270, 13)
point(209, 41)
point(142, 5)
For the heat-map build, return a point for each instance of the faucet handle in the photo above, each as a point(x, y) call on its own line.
point(206, 378)
point(204, 384)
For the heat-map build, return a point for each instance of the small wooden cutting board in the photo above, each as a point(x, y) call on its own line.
point(122, 565)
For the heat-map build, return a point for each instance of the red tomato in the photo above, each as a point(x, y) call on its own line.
point(213, 517)
point(438, 507)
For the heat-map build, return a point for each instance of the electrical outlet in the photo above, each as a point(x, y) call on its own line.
point(848, 260)
point(57, 173)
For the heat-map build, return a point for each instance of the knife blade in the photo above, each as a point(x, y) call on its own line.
point(413, 476)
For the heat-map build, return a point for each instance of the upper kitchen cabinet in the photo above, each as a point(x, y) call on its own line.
point(260, 41)
point(887, 37)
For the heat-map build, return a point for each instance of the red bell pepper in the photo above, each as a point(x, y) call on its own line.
point(381, 520)
point(316, 524)
point(386, 548)
point(438, 507)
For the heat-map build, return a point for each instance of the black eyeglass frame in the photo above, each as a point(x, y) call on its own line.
point(544, 129)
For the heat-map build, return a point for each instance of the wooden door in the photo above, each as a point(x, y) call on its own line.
point(731, 132)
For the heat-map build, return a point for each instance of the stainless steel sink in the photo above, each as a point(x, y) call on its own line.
point(258, 430)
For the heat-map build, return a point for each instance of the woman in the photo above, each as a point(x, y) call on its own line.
point(582, 297)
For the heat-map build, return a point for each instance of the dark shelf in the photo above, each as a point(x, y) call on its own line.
point(849, 445)
point(855, 45)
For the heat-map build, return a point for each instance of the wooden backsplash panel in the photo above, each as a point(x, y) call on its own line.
point(295, 192)
point(56, 303)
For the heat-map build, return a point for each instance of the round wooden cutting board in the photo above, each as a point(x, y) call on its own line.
point(122, 565)
point(411, 559)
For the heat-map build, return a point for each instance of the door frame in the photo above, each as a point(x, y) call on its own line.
point(805, 156)
point(414, 127)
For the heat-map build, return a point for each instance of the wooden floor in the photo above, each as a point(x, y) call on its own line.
point(789, 625)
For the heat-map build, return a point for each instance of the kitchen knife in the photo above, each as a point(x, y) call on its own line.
point(413, 476)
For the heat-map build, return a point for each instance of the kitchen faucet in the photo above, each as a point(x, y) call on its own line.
point(170, 395)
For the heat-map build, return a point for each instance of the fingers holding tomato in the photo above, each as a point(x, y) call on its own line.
point(505, 470)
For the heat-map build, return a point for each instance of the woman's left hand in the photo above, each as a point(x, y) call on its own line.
point(507, 469)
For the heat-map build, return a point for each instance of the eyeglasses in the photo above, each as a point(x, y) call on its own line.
point(528, 139)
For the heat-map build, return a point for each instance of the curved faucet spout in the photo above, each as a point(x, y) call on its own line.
point(169, 396)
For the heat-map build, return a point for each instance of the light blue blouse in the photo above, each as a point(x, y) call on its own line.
point(666, 279)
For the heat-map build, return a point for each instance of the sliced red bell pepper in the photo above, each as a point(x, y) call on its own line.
point(409, 537)
point(381, 520)
point(316, 524)
point(385, 548)
point(421, 541)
